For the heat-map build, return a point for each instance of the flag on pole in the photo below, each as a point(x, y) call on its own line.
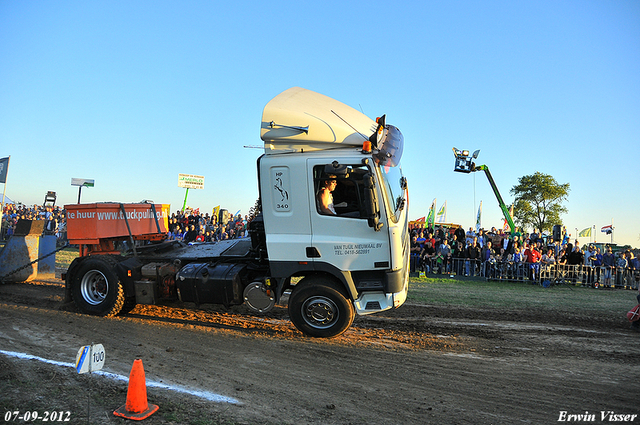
point(431, 217)
point(442, 213)
point(479, 219)
point(216, 212)
point(4, 167)
point(607, 229)
point(586, 233)
point(421, 219)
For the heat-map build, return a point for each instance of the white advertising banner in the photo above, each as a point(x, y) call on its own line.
point(190, 181)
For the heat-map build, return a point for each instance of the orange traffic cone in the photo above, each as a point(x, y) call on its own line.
point(136, 407)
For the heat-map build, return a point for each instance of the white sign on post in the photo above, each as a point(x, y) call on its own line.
point(82, 182)
point(190, 181)
point(90, 358)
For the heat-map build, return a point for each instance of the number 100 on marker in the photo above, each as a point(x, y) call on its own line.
point(90, 358)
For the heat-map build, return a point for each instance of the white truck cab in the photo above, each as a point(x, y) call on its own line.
point(353, 255)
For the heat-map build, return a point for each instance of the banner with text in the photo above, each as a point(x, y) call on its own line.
point(190, 181)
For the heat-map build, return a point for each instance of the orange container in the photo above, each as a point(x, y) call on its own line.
point(89, 223)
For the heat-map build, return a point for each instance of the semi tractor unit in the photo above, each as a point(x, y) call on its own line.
point(329, 228)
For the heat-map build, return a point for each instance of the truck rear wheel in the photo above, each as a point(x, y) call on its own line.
point(320, 308)
point(96, 288)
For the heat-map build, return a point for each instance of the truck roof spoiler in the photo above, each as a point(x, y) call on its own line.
point(301, 120)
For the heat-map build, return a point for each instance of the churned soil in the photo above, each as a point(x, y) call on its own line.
point(414, 365)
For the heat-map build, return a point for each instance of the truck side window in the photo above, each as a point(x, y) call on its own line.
point(340, 195)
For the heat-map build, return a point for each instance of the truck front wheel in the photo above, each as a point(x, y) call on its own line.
point(96, 288)
point(320, 308)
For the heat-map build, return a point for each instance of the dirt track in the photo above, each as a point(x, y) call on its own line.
point(417, 365)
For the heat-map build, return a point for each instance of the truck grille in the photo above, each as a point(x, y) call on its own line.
point(372, 305)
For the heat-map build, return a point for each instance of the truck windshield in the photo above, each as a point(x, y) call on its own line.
point(393, 189)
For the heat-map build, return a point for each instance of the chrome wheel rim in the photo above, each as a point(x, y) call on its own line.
point(320, 312)
point(94, 287)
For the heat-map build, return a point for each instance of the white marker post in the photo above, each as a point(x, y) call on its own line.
point(90, 358)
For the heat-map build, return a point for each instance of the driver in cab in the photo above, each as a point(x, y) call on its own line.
point(325, 196)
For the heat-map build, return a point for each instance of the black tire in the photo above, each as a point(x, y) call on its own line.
point(95, 287)
point(320, 308)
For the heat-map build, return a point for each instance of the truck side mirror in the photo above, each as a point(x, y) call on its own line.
point(371, 202)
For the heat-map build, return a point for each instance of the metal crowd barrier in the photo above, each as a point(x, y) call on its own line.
point(536, 273)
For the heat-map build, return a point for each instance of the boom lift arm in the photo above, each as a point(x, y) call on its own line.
point(465, 164)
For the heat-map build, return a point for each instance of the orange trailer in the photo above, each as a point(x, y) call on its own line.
point(96, 227)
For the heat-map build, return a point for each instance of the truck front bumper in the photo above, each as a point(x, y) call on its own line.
point(374, 301)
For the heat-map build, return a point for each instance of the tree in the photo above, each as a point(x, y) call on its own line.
point(538, 201)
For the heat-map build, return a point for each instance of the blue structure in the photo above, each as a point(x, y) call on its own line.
point(26, 245)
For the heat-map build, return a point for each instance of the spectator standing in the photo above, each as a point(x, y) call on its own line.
point(596, 262)
point(50, 224)
point(575, 260)
point(488, 259)
point(427, 255)
point(472, 256)
point(469, 236)
point(567, 250)
point(414, 251)
point(576, 257)
point(531, 256)
point(459, 235)
point(609, 263)
point(587, 255)
point(439, 236)
point(458, 257)
point(621, 266)
point(445, 252)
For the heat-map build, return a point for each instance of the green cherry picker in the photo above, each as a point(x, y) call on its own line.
point(465, 164)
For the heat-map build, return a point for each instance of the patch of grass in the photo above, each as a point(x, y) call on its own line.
point(516, 295)
point(66, 256)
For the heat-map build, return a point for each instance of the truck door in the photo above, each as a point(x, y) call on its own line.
point(340, 233)
point(285, 207)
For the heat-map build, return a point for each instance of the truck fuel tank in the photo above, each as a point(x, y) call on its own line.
point(203, 283)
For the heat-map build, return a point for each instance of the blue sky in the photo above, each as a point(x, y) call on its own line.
point(131, 94)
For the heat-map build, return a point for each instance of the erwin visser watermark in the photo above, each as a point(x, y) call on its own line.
point(602, 416)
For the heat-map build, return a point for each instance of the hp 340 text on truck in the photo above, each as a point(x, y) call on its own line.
point(337, 260)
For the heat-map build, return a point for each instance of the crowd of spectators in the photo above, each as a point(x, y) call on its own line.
point(469, 253)
point(54, 218)
point(439, 249)
point(187, 226)
point(196, 227)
